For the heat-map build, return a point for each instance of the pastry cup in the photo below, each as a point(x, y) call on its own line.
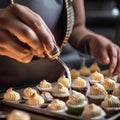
point(83, 90)
point(61, 96)
point(95, 99)
point(76, 109)
point(110, 110)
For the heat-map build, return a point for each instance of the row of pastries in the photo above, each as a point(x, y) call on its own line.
point(60, 97)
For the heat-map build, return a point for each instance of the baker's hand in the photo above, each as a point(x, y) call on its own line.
point(23, 33)
point(106, 52)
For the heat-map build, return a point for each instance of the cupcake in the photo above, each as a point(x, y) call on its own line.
point(74, 73)
point(79, 84)
point(76, 103)
point(65, 81)
point(59, 91)
point(35, 100)
point(44, 86)
point(11, 95)
point(96, 94)
point(57, 106)
point(109, 85)
point(96, 77)
point(94, 67)
point(116, 92)
point(84, 71)
point(18, 115)
point(27, 92)
point(93, 112)
point(111, 104)
point(47, 96)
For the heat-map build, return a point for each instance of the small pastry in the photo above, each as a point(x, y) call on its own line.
point(80, 85)
point(57, 105)
point(35, 100)
point(109, 85)
point(74, 73)
point(27, 92)
point(44, 86)
point(94, 67)
point(96, 94)
point(11, 95)
point(59, 91)
point(93, 112)
point(116, 92)
point(18, 115)
point(111, 104)
point(96, 77)
point(76, 103)
point(84, 71)
point(65, 81)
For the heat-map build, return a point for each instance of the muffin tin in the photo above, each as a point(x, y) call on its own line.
point(43, 109)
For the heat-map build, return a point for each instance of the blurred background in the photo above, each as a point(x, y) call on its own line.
point(103, 17)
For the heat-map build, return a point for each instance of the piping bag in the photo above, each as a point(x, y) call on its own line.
point(54, 55)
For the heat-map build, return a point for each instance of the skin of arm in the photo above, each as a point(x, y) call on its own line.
point(23, 33)
point(101, 48)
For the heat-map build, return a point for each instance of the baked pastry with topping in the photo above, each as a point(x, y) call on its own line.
point(74, 73)
point(96, 93)
point(65, 81)
point(57, 105)
point(116, 92)
point(84, 71)
point(59, 91)
point(111, 104)
point(27, 92)
point(96, 77)
point(93, 112)
point(11, 95)
point(109, 85)
point(18, 115)
point(94, 67)
point(35, 100)
point(76, 103)
point(79, 84)
point(44, 86)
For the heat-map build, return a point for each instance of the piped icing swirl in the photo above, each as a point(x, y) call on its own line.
point(35, 99)
point(76, 98)
point(97, 89)
point(84, 71)
point(11, 95)
point(111, 101)
point(45, 84)
point(97, 76)
point(74, 73)
point(28, 91)
point(57, 104)
point(92, 110)
point(109, 84)
point(94, 67)
point(79, 82)
point(65, 81)
point(116, 91)
point(60, 90)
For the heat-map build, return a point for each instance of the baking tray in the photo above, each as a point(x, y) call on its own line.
point(45, 111)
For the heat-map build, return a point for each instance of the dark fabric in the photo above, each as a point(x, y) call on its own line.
point(15, 74)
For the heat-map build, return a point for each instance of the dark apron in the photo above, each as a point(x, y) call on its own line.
point(15, 74)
